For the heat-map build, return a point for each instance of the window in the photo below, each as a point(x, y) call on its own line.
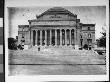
point(89, 35)
point(80, 36)
point(22, 35)
point(17, 37)
point(20, 29)
point(85, 34)
point(26, 29)
point(23, 29)
point(88, 28)
point(22, 40)
point(89, 41)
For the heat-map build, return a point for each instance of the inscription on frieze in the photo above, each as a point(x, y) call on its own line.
point(72, 23)
point(55, 16)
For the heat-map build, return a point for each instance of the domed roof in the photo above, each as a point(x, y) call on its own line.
point(57, 10)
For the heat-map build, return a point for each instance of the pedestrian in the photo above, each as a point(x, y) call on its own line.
point(38, 48)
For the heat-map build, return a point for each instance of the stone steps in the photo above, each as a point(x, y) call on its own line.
point(55, 56)
point(38, 59)
point(62, 49)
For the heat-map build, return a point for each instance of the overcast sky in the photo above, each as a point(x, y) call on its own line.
point(86, 14)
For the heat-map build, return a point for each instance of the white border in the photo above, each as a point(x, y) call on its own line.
point(39, 78)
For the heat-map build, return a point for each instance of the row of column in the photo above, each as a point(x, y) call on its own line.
point(53, 37)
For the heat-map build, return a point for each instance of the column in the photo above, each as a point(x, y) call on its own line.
point(41, 37)
point(61, 37)
point(50, 37)
point(65, 38)
point(46, 37)
point(75, 37)
point(36, 39)
point(78, 38)
point(70, 36)
point(56, 37)
point(32, 38)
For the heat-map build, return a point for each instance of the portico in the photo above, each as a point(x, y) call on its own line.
point(53, 37)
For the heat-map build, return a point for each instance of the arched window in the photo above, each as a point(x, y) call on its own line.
point(89, 35)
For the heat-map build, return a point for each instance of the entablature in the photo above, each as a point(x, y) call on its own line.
point(51, 27)
point(71, 23)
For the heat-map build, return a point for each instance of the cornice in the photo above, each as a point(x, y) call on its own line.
point(87, 30)
point(88, 24)
point(53, 26)
point(49, 20)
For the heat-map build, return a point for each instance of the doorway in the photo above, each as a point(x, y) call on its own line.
point(53, 37)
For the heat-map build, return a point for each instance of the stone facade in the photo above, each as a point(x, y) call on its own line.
point(56, 27)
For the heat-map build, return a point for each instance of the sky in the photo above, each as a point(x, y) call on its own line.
point(86, 14)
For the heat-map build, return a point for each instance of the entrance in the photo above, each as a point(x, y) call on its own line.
point(53, 37)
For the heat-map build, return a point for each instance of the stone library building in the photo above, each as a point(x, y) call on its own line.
point(56, 27)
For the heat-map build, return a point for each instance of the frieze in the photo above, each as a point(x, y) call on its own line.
point(49, 28)
point(72, 23)
point(22, 32)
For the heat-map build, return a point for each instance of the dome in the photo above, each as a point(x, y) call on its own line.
point(57, 10)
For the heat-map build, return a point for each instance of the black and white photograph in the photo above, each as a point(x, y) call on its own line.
point(56, 40)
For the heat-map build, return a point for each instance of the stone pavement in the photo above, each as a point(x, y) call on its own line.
point(57, 70)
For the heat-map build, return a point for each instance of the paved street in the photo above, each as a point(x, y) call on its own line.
point(65, 62)
point(57, 69)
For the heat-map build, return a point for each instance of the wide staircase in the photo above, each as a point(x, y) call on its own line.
point(56, 55)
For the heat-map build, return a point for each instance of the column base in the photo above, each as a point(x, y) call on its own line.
point(26, 47)
point(65, 45)
point(76, 47)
